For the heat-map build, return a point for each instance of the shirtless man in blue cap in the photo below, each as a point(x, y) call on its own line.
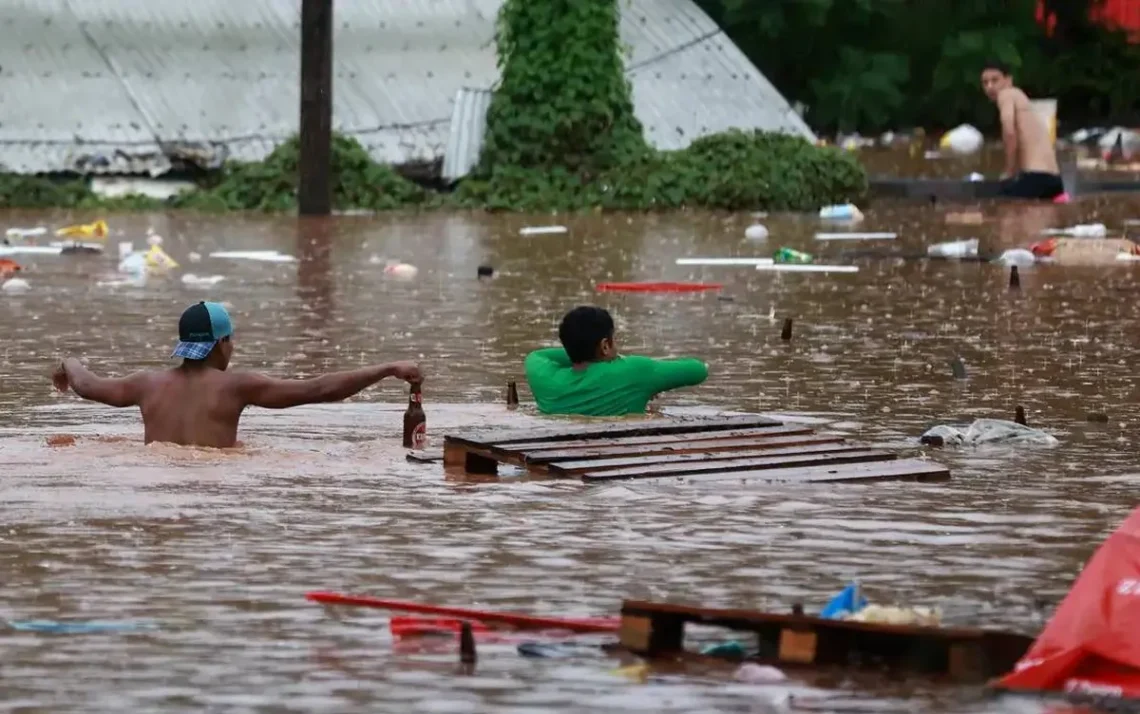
point(199, 403)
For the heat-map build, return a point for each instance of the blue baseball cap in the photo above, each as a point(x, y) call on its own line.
point(200, 328)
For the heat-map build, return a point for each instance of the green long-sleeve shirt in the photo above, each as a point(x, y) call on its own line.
point(622, 386)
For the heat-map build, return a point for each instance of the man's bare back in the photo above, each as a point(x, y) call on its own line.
point(200, 403)
point(1034, 150)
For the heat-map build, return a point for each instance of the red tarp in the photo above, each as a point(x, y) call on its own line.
point(1092, 645)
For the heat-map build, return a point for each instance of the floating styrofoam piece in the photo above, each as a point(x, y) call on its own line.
point(856, 236)
point(841, 212)
point(17, 232)
point(1128, 257)
point(30, 250)
point(1016, 256)
point(542, 230)
point(15, 285)
point(401, 271)
point(808, 268)
point(1132, 222)
point(1083, 230)
point(268, 256)
point(967, 248)
point(201, 281)
point(756, 231)
point(725, 261)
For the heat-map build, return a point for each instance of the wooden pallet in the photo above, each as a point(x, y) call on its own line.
point(963, 654)
point(725, 448)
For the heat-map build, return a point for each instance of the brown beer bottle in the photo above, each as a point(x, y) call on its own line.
point(415, 422)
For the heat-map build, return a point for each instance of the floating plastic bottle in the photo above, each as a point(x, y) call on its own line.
point(841, 212)
point(787, 255)
point(954, 249)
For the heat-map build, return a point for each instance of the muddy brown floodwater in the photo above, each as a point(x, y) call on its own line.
point(217, 549)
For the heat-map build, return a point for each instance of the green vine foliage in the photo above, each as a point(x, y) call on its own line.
point(563, 100)
point(562, 135)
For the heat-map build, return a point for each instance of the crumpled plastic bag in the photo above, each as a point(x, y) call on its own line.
point(991, 431)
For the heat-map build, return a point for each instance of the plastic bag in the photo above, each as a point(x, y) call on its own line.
point(991, 431)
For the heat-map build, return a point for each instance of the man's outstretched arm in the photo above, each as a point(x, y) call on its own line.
point(261, 390)
point(115, 392)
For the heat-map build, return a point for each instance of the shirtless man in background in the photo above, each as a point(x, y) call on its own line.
point(199, 403)
point(1030, 162)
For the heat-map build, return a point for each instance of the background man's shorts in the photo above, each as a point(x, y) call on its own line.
point(1033, 184)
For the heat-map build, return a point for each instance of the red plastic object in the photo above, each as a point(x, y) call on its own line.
point(520, 622)
point(413, 626)
point(657, 287)
point(1090, 645)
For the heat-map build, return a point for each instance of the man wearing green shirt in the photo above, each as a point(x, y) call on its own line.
point(587, 377)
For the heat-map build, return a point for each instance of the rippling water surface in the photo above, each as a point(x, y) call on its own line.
point(217, 549)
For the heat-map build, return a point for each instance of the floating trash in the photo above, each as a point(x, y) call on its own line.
point(1083, 230)
point(856, 236)
point(401, 271)
point(78, 628)
point(967, 248)
point(201, 281)
point(842, 212)
point(542, 230)
point(725, 261)
point(15, 285)
point(98, 229)
point(787, 255)
point(849, 601)
point(267, 256)
point(756, 232)
point(24, 233)
point(991, 431)
point(8, 267)
point(963, 139)
point(1016, 257)
point(893, 615)
point(31, 250)
point(814, 268)
point(752, 673)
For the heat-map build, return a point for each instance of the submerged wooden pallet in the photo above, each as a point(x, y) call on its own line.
point(963, 654)
point(725, 448)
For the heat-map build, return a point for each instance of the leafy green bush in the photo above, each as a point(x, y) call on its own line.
point(17, 191)
point(271, 185)
point(735, 170)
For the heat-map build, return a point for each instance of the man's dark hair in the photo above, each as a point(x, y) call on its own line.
point(998, 65)
point(582, 329)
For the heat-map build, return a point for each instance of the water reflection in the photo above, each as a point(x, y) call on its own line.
point(219, 548)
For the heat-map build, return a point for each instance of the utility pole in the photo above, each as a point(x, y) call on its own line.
point(314, 195)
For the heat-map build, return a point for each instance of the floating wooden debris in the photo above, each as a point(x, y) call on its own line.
point(728, 448)
point(963, 654)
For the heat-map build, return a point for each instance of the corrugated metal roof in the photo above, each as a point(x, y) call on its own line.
point(467, 128)
point(114, 86)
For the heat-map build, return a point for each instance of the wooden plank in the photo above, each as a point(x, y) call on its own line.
point(786, 639)
point(546, 456)
point(698, 468)
point(899, 470)
point(706, 441)
point(470, 459)
point(611, 428)
point(642, 439)
point(749, 619)
point(814, 444)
